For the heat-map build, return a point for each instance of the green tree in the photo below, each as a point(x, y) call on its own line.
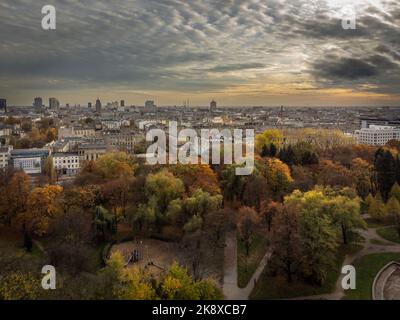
point(377, 209)
point(161, 189)
point(317, 232)
point(395, 191)
point(176, 284)
point(393, 211)
point(385, 167)
point(346, 213)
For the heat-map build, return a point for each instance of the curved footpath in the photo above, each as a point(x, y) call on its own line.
point(231, 290)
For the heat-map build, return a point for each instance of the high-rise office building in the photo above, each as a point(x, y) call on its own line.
point(98, 105)
point(3, 105)
point(38, 102)
point(122, 104)
point(54, 103)
point(213, 106)
point(89, 104)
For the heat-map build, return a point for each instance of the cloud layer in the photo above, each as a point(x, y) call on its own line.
point(248, 51)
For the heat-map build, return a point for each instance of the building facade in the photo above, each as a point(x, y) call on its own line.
point(54, 103)
point(377, 135)
point(29, 160)
point(3, 105)
point(66, 163)
point(91, 151)
point(38, 102)
point(5, 155)
point(98, 105)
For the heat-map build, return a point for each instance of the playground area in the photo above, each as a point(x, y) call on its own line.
point(156, 256)
point(150, 254)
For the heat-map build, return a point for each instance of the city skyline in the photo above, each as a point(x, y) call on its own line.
point(244, 53)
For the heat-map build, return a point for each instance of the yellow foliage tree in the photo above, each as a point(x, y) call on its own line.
point(269, 136)
point(41, 207)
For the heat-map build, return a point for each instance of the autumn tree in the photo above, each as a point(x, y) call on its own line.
point(270, 210)
point(286, 255)
point(199, 176)
point(247, 220)
point(49, 170)
point(118, 283)
point(71, 238)
point(110, 166)
point(15, 197)
point(278, 176)
point(303, 178)
point(334, 174)
point(177, 284)
point(216, 223)
point(19, 286)
point(255, 191)
point(41, 208)
point(271, 138)
point(363, 175)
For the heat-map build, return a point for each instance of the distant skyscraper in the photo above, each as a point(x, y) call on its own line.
point(98, 105)
point(54, 103)
point(213, 106)
point(38, 102)
point(89, 104)
point(149, 104)
point(122, 104)
point(3, 105)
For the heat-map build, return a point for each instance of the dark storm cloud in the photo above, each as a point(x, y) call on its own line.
point(344, 68)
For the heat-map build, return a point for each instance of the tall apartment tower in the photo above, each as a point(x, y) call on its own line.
point(38, 102)
point(54, 103)
point(98, 106)
point(3, 105)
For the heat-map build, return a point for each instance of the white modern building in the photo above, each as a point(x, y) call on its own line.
point(377, 135)
point(66, 163)
point(29, 160)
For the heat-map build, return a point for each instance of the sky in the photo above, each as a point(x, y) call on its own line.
point(240, 53)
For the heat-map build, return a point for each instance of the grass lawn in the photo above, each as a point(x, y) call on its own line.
point(372, 223)
point(380, 243)
point(367, 267)
point(248, 265)
point(277, 287)
point(389, 233)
